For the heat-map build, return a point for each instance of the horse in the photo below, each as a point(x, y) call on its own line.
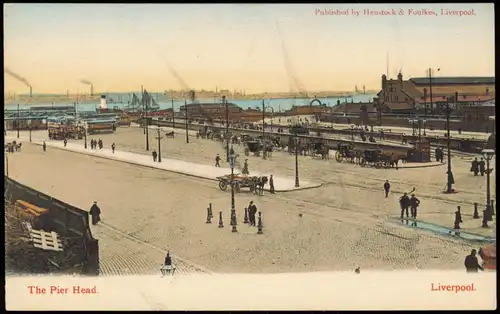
point(170, 134)
point(259, 182)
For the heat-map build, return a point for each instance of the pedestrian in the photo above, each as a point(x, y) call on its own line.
point(113, 146)
point(217, 160)
point(44, 146)
point(271, 184)
point(95, 212)
point(92, 144)
point(252, 211)
point(474, 166)
point(100, 144)
point(168, 259)
point(404, 202)
point(458, 218)
point(414, 203)
point(245, 167)
point(231, 150)
point(471, 263)
point(155, 154)
point(65, 142)
point(481, 165)
point(387, 188)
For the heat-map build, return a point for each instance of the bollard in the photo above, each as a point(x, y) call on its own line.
point(209, 221)
point(221, 224)
point(476, 213)
point(489, 216)
point(245, 220)
point(485, 220)
point(233, 223)
point(492, 208)
point(210, 210)
point(259, 225)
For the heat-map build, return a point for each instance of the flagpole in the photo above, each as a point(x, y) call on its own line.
point(143, 110)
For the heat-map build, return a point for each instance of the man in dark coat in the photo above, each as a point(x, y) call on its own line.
point(387, 188)
point(471, 263)
point(168, 259)
point(217, 160)
point(95, 212)
point(113, 146)
point(271, 184)
point(458, 218)
point(404, 202)
point(481, 166)
point(44, 146)
point(65, 142)
point(155, 154)
point(252, 211)
point(474, 167)
point(414, 203)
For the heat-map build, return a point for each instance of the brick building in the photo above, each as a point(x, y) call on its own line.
point(414, 95)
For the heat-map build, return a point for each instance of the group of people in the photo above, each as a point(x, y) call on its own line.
point(95, 143)
point(478, 166)
point(406, 202)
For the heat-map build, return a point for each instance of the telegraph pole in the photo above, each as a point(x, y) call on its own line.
point(173, 113)
point(450, 179)
point(224, 102)
point(159, 137)
point(146, 123)
point(17, 121)
point(186, 109)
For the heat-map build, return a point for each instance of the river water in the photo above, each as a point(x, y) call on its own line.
point(279, 104)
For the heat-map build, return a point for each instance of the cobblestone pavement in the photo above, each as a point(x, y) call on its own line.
point(121, 254)
point(343, 224)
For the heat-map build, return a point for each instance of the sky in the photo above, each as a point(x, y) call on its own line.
point(252, 47)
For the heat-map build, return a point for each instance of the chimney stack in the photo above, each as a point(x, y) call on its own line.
point(91, 90)
point(31, 92)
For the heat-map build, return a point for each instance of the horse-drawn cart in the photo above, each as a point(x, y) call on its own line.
point(345, 151)
point(239, 180)
point(253, 147)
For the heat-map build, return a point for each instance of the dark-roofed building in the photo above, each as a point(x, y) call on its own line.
point(414, 94)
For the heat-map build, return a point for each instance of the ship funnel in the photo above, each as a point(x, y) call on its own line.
point(103, 102)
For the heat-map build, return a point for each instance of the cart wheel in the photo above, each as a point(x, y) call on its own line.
point(223, 185)
point(338, 156)
point(362, 162)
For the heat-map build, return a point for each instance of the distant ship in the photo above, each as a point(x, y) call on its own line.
point(136, 105)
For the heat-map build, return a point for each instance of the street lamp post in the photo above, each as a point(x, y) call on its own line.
point(450, 179)
point(423, 122)
point(17, 122)
point(30, 132)
point(226, 106)
point(352, 132)
point(297, 183)
point(488, 155)
point(85, 134)
point(7, 164)
point(186, 122)
point(263, 126)
point(232, 160)
point(159, 137)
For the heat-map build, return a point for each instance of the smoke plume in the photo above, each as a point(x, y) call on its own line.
point(16, 76)
point(85, 82)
